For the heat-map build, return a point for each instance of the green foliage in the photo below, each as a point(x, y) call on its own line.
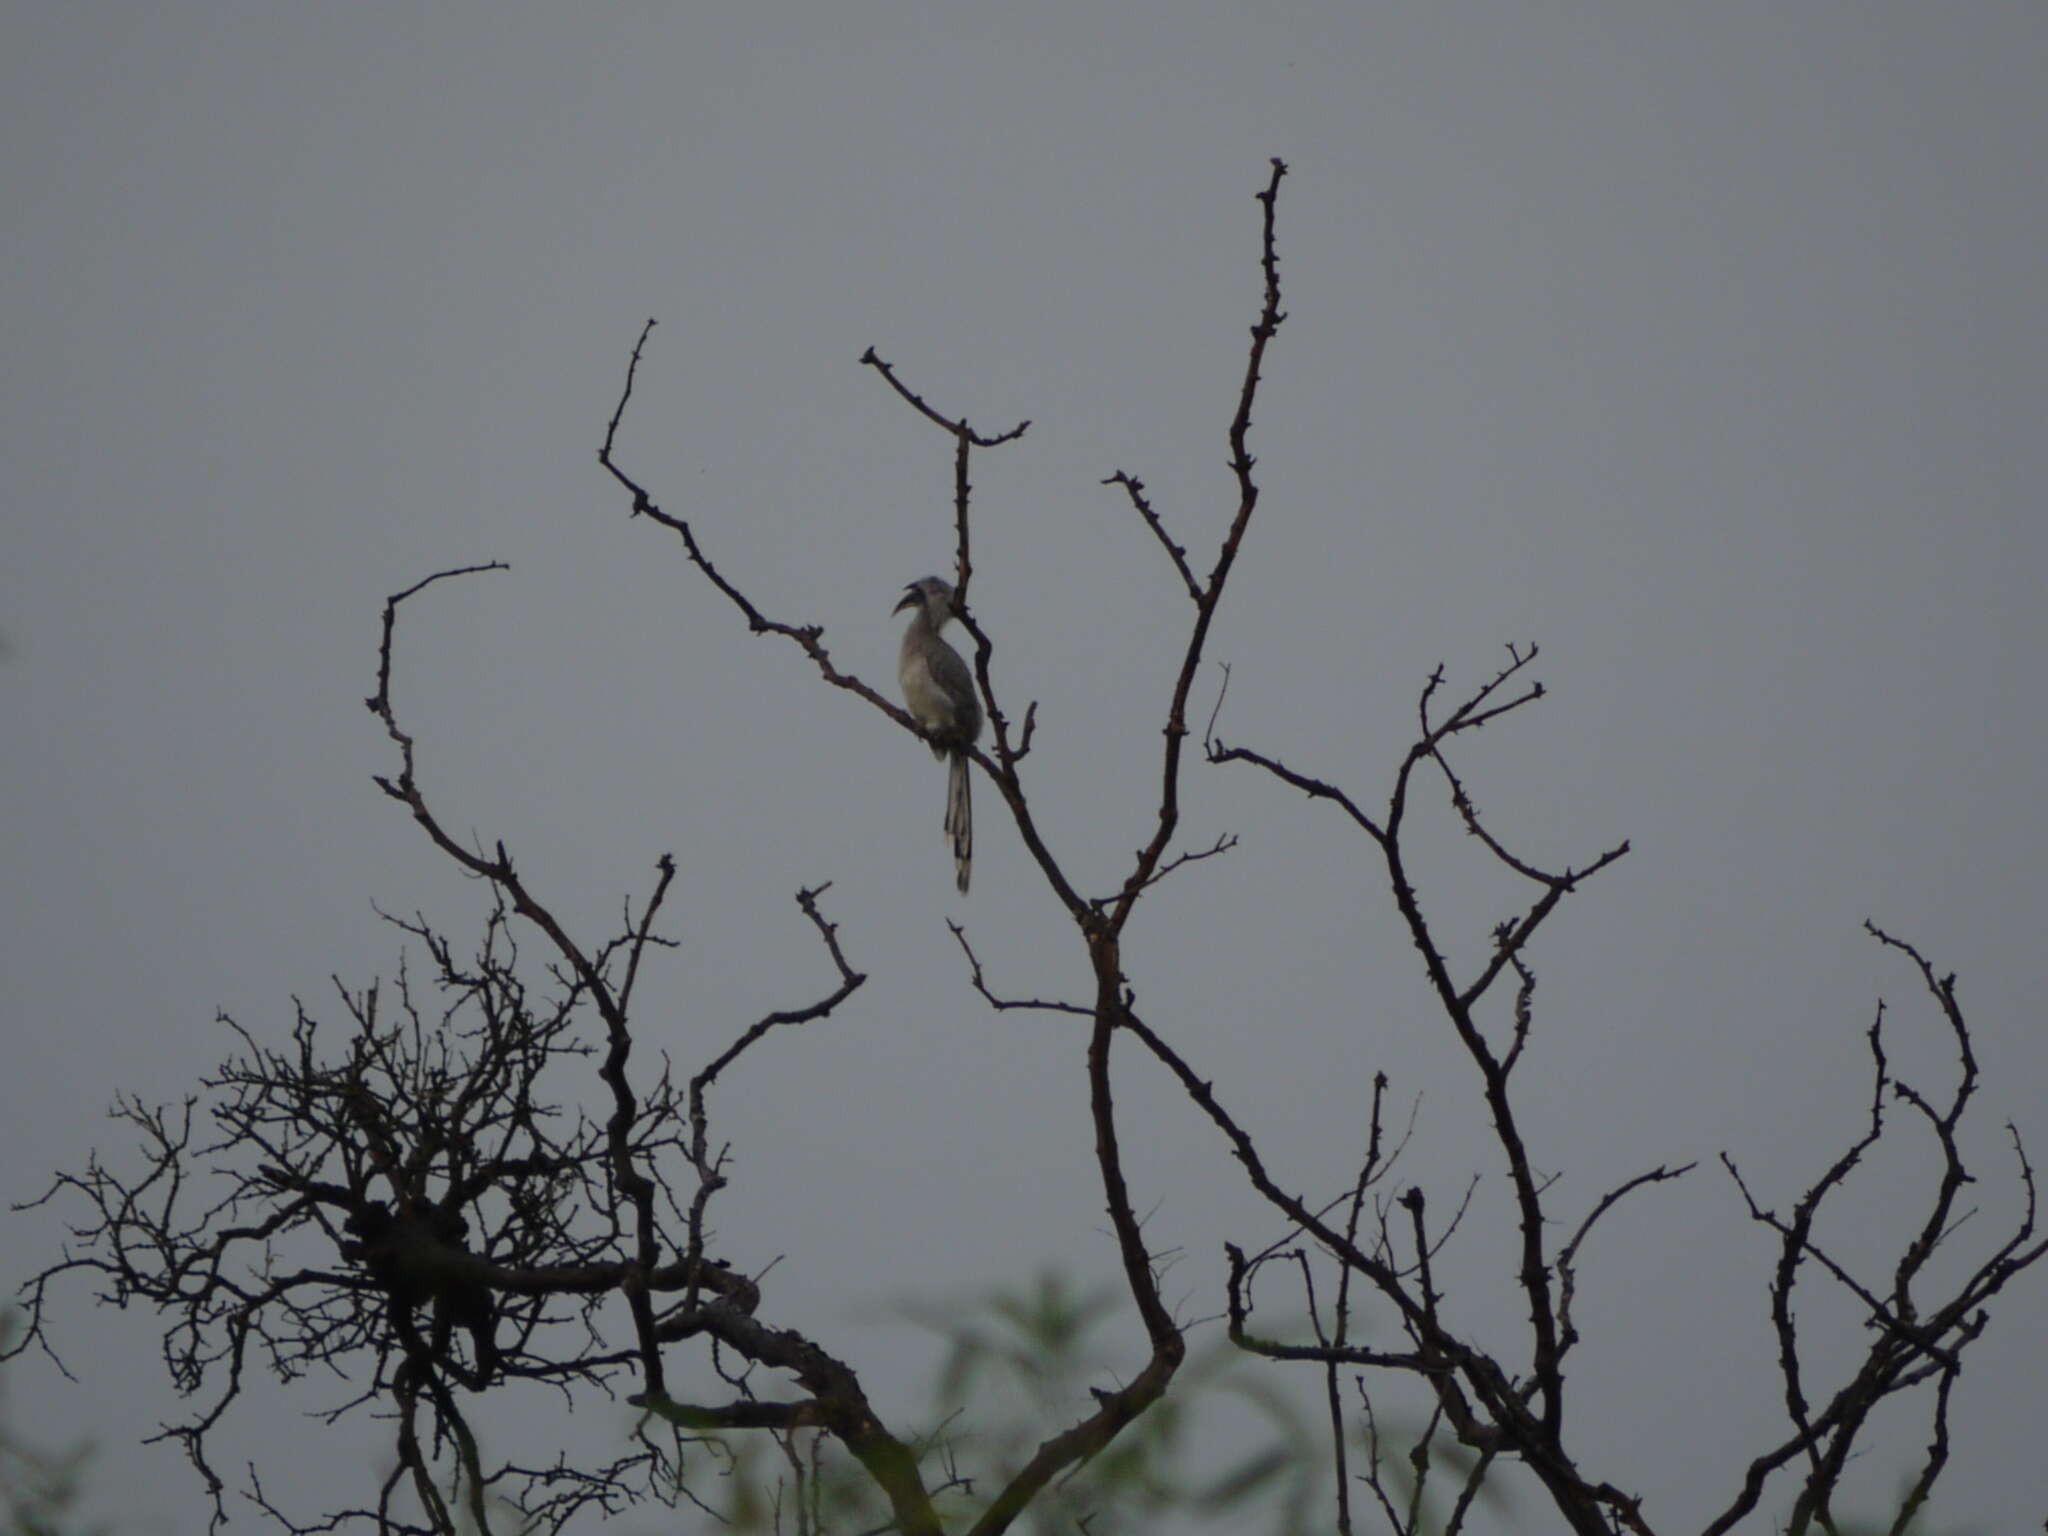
point(1222, 1446)
point(38, 1489)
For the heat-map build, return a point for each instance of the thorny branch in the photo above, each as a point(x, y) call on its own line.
point(1916, 1343)
point(1916, 1338)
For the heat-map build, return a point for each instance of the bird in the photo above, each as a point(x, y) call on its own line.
point(940, 692)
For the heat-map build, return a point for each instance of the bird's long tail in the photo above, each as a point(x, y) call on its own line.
point(960, 817)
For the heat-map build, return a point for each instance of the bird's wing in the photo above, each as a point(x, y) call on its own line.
point(949, 671)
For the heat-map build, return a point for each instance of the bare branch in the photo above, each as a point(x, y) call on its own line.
point(1567, 1256)
point(1135, 489)
point(1241, 464)
point(1004, 1004)
point(958, 427)
point(1916, 1340)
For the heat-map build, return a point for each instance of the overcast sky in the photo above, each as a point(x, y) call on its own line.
point(1703, 345)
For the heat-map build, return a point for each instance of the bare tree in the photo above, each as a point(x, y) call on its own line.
point(419, 1206)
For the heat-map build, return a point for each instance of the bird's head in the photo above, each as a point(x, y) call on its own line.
point(932, 593)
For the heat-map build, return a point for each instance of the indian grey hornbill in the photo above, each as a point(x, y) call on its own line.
point(940, 692)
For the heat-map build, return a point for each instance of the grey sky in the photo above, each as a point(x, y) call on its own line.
point(1703, 345)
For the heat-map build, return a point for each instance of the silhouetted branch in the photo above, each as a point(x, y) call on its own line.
point(1241, 464)
point(1567, 1256)
point(1004, 1004)
point(1916, 1339)
point(1135, 489)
